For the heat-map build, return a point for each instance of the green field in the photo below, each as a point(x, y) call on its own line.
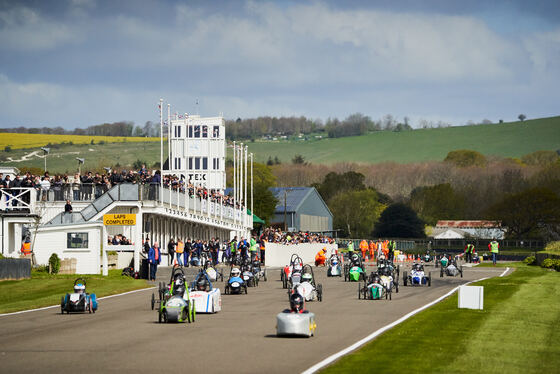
point(45, 290)
point(517, 332)
point(505, 140)
point(63, 158)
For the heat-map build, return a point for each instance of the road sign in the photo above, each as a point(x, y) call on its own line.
point(119, 219)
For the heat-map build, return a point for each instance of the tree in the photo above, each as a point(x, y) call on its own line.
point(541, 158)
point(465, 158)
point(522, 117)
point(298, 160)
point(437, 202)
point(399, 221)
point(356, 212)
point(528, 214)
point(334, 183)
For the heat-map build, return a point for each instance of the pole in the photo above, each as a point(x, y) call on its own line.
point(161, 151)
point(234, 179)
point(241, 197)
point(245, 188)
point(168, 136)
point(252, 186)
point(46, 162)
point(285, 198)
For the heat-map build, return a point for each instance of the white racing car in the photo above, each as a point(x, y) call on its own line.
point(334, 265)
point(306, 286)
point(295, 321)
point(206, 298)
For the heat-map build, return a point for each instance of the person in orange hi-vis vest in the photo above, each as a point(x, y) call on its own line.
point(321, 257)
point(372, 248)
point(363, 248)
point(26, 247)
point(386, 248)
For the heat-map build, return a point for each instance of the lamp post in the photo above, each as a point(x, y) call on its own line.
point(46, 151)
point(80, 162)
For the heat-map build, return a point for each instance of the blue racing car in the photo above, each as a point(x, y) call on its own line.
point(80, 300)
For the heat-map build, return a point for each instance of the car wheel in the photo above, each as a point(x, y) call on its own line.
point(461, 270)
point(430, 279)
point(153, 301)
point(359, 292)
point(185, 315)
point(245, 289)
point(284, 283)
point(441, 273)
point(160, 317)
point(404, 278)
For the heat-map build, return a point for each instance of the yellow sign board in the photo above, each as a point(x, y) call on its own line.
point(119, 219)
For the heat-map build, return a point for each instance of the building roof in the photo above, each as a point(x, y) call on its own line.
point(451, 234)
point(294, 197)
point(477, 224)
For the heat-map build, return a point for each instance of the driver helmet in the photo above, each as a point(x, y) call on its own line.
point(179, 288)
point(306, 277)
point(298, 266)
point(79, 288)
point(354, 257)
point(296, 302)
point(235, 272)
point(201, 284)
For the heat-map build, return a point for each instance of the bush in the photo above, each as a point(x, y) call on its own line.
point(550, 263)
point(54, 264)
point(530, 260)
point(466, 158)
point(553, 247)
point(7, 149)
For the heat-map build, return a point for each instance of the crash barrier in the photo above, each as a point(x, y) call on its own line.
point(279, 254)
point(15, 268)
point(401, 244)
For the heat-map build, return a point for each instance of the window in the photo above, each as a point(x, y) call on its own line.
point(197, 163)
point(190, 131)
point(216, 163)
point(204, 131)
point(190, 163)
point(177, 163)
point(77, 240)
point(204, 163)
point(216, 132)
point(178, 131)
point(197, 131)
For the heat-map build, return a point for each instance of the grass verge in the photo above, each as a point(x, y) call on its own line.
point(44, 289)
point(515, 333)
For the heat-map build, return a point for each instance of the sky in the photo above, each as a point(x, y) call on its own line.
point(77, 63)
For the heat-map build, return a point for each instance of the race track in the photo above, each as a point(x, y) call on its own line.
point(124, 336)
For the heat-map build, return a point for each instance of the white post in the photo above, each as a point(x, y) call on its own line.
point(104, 251)
point(139, 228)
point(252, 188)
point(241, 197)
point(168, 137)
point(234, 178)
point(187, 167)
point(161, 151)
point(244, 211)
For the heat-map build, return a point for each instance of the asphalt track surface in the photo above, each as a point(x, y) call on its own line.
point(124, 336)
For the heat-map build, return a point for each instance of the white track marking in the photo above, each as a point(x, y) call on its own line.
point(58, 306)
point(375, 334)
point(504, 273)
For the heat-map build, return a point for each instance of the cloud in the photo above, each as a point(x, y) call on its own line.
point(25, 29)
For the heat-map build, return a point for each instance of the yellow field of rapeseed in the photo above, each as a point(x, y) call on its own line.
point(19, 141)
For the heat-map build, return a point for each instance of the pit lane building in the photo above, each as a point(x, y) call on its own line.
point(197, 150)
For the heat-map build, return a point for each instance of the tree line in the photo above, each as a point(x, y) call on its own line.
point(522, 193)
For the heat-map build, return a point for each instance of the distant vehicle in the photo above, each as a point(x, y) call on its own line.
point(417, 276)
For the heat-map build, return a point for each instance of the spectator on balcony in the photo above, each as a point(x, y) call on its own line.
point(45, 187)
point(87, 186)
point(76, 186)
point(98, 183)
point(56, 186)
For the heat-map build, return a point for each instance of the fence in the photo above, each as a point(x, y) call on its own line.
point(15, 268)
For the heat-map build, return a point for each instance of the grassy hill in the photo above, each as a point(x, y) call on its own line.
point(506, 140)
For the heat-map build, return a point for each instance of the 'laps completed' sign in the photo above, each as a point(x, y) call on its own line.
point(119, 219)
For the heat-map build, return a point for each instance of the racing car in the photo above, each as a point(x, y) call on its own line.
point(296, 321)
point(334, 269)
point(428, 257)
point(79, 300)
point(248, 275)
point(450, 268)
point(374, 288)
point(203, 295)
point(259, 271)
point(389, 275)
point(354, 270)
point(235, 284)
point(417, 276)
point(307, 287)
point(295, 266)
point(212, 272)
point(174, 301)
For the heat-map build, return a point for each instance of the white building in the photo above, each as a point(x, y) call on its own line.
point(197, 150)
